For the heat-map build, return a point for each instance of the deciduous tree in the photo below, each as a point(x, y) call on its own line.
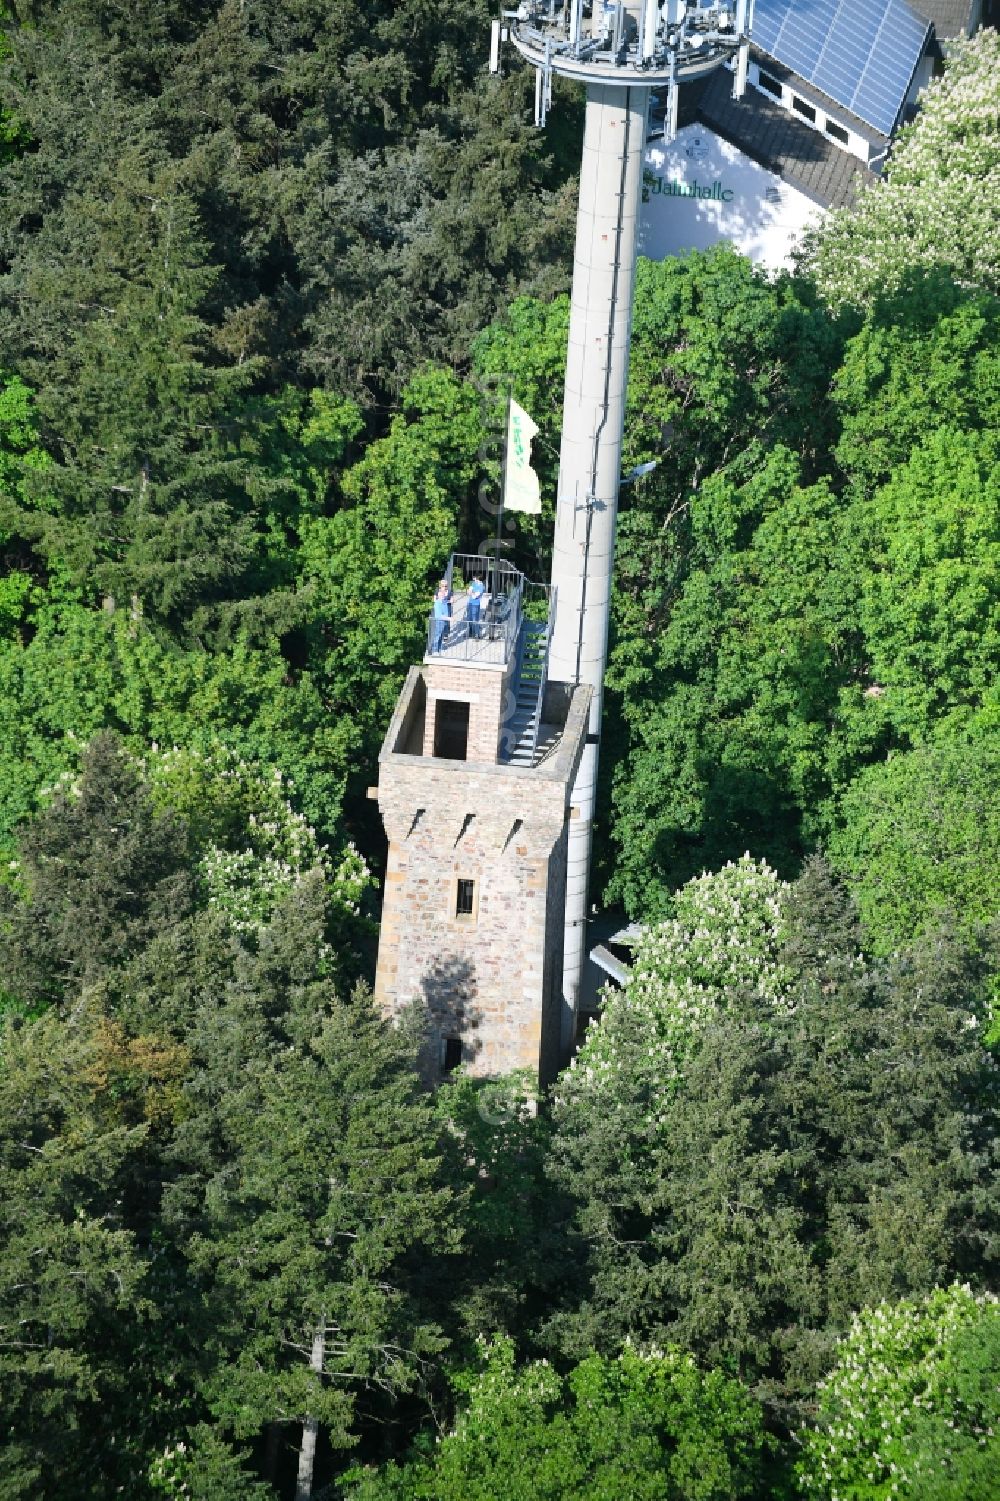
point(910, 1408)
point(938, 203)
point(919, 840)
point(643, 1425)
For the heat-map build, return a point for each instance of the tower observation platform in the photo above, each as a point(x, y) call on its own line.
point(498, 624)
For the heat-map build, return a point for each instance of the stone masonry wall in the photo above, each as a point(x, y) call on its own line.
point(483, 688)
point(478, 978)
point(491, 979)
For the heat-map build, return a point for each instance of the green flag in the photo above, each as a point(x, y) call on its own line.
point(521, 490)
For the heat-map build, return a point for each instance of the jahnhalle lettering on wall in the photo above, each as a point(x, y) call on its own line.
point(653, 185)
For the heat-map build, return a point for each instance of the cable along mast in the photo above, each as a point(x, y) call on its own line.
point(621, 53)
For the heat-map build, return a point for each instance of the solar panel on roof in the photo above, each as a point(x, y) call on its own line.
point(862, 53)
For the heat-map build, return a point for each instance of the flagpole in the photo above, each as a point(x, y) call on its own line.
point(503, 480)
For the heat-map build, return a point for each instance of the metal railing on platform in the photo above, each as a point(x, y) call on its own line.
point(489, 631)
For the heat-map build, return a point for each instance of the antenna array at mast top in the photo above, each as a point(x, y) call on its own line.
point(629, 43)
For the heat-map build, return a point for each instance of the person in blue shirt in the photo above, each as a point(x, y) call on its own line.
point(473, 605)
point(442, 615)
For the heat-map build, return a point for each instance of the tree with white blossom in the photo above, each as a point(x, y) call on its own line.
point(770, 1129)
point(251, 846)
point(721, 941)
point(938, 204)
point(911, 1408)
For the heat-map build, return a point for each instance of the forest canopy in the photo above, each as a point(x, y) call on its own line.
point(266, 274)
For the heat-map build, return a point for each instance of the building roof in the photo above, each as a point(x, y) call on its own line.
point(861, 54)
point(768, 134)
point(816, 97)
point(619, 971)
point(950, 17)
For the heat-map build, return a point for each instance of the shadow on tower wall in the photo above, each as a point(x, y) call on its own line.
point(448, 1014)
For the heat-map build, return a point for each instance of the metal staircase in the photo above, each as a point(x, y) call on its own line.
point(521, 732)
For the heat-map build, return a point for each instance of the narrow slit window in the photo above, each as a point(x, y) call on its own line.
point(802, 108)
point(769, 85)
point(465, 898)
point(452, 1054)
point(838, 132)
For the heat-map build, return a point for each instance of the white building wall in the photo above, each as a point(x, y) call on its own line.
point(699, 190)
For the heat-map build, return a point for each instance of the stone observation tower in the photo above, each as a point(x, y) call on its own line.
point(488, 773)
point(474, 790)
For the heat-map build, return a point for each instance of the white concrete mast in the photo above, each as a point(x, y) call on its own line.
point(589, 461)
point(621, 52)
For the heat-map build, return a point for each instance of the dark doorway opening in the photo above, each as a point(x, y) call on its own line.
point(452, 1054)
point(451, 729)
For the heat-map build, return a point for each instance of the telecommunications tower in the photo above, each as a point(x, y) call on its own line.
point(622, 53)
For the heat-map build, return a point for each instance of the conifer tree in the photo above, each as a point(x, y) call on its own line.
point(310, 1243)
point(766, 1131)
point(71, 1275)
point(101, 872)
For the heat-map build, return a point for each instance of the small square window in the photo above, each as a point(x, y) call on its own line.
point(452, 1054)
point(802, 108)
point(465, 898)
